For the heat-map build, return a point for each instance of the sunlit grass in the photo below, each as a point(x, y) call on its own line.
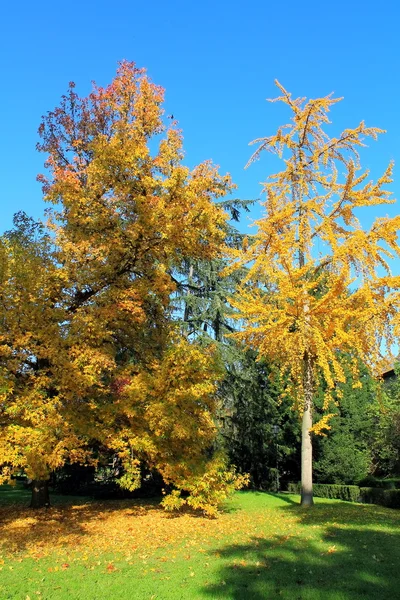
point(262, 546)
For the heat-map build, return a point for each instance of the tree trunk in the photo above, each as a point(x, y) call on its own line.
point(40, 494)
point(306, 443)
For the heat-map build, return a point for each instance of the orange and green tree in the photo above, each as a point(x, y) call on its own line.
point(90, 353)
point(319, 285)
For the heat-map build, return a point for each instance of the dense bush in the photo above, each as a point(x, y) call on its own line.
point(389, 498)
point(343, 458)
point(369, 481)
point(350, 493)
point(354, 493)
point(294, 488)
point(374, 482)
point(391, 484)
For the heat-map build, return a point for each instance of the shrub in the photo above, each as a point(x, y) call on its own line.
point(392, 498)
point(393, 483)
point(389, 498)
point(369, 481)
point(387, 483)
point(349, 493)
point(354, 493)
point(294, 488)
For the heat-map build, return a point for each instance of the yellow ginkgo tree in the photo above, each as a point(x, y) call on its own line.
point(319, 284)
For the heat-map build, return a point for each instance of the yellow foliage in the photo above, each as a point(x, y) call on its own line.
point(209, 489)
point(88, 352)
point(318, 284)
point(323, 424)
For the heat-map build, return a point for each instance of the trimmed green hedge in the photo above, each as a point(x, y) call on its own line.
point(350, 493)
point(387, 484)
point(389, 498)
point(353, 493)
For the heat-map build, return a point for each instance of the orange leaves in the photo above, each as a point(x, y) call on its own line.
point(88, 346)
point(84, 532)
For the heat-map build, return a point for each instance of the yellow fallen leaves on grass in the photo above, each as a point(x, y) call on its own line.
point(134, 528)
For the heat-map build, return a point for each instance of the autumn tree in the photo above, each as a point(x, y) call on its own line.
point(319, 284)
point(95, 350)
point(35, 429)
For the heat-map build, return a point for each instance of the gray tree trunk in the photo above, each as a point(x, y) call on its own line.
point(306, 442)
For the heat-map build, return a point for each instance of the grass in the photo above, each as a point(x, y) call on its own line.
point(263, 546)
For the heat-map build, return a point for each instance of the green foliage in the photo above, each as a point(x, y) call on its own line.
point(200, 299)
point(353, 493)
point(251, 391)
point(388, 498)
point(343, 458)
point(386, 439)
point(374, 482)
point(349, 493)
point(344, 455)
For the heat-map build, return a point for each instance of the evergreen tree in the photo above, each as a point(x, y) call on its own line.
point(261, 433)
point(249, 405)
point(344, 455)
point(386, 419)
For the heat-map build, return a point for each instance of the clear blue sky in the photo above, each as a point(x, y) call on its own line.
point(217, 61)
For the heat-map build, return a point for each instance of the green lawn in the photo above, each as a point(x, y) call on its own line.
point(262, 547)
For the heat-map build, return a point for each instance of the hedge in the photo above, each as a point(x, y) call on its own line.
point(389, 498)
point(353, 493)
point(373, 482)
point(350, 493)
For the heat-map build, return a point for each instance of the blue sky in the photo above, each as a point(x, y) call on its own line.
point(217, 61)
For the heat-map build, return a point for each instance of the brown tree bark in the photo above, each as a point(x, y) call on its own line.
point(40, 494)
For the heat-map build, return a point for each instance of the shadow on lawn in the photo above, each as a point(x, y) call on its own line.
point(71, 519)
point(355, 558)
point(64, 523)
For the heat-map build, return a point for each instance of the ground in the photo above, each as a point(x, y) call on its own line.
point(263, 546)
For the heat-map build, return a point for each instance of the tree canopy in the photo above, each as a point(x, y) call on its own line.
point(89, 355)
point(318, 283)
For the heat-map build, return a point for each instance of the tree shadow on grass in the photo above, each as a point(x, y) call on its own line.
point(337, 552)
point(285, 497)
point(72, 521)
point(60, 525)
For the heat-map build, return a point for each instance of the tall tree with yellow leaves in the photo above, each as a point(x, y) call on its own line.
point(318, 283)
point(89, 351)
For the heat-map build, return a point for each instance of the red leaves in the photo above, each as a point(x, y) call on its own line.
point(118, 385)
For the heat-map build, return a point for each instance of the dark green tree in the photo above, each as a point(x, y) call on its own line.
point(344, 455)
point(260, 430)
point(249, 391)
point(386, 418)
